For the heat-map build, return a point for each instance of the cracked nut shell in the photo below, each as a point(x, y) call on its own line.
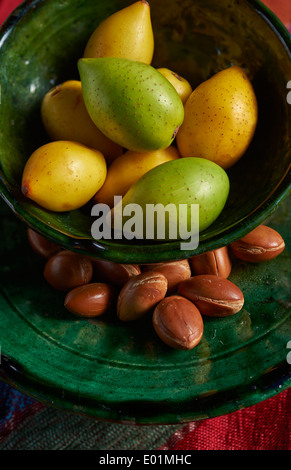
point(174, 271)
point(140, 295)
point(214, 296)
point(261, 244)
point(178, 322)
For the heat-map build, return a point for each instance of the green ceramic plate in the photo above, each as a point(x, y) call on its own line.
point(122, 372)
point(103, 368)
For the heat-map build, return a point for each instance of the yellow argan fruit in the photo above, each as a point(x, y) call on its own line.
point(182, 86)
point(65, 117)
point(220, 118)
point(63, 175)
point(128, 168)
point(127, 33)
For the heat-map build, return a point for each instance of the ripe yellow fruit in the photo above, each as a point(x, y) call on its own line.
point(220, 118)
point(63, 175)
point(65, 117)
point(182, 86)
point(127, 33)
point(128, 168)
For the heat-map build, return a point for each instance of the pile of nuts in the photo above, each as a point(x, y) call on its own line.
point(177, 293)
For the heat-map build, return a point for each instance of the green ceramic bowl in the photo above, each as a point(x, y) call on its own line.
point(40, 45)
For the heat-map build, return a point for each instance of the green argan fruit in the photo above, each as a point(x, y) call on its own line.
point(184, 181)
point(131, 102)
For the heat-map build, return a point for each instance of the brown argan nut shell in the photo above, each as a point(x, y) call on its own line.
point(67, 270)
point(174, 271)
point(216, 262)
point(91, 300)
point(261, 244)
point(140, 295)
point(178, 322)
point(113, 273)
point(214, 296)
point(40, 245)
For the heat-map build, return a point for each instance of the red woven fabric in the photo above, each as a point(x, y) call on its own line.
point(265, 426)
point(6, 7)
point(282, 8)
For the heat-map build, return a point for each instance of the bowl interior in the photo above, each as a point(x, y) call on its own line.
point(40, 46)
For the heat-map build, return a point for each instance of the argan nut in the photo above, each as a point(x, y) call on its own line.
point(213, 295)
point(178, 322)
point(174, 271)
point(140, 295)
point(91, 300)
point(67, 270)
point(261, 244)
point(40, 245)
point(216, 262)
point(116, 274)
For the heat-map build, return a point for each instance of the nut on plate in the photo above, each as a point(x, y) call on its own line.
point(66, 270)
point(178, 322)
point(114, 273)
point(214, 296)
point(41, 245)
point(174, 271)
point(261, 244)
point(140, 295)
point(216, 262)
point(90, 300)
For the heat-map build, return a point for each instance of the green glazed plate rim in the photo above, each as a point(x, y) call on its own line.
point(218, 404)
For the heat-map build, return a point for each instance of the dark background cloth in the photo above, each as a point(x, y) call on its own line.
point(26, 424)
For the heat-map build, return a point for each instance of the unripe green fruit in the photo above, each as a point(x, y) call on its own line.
point(131, 102)
point(182, 181)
